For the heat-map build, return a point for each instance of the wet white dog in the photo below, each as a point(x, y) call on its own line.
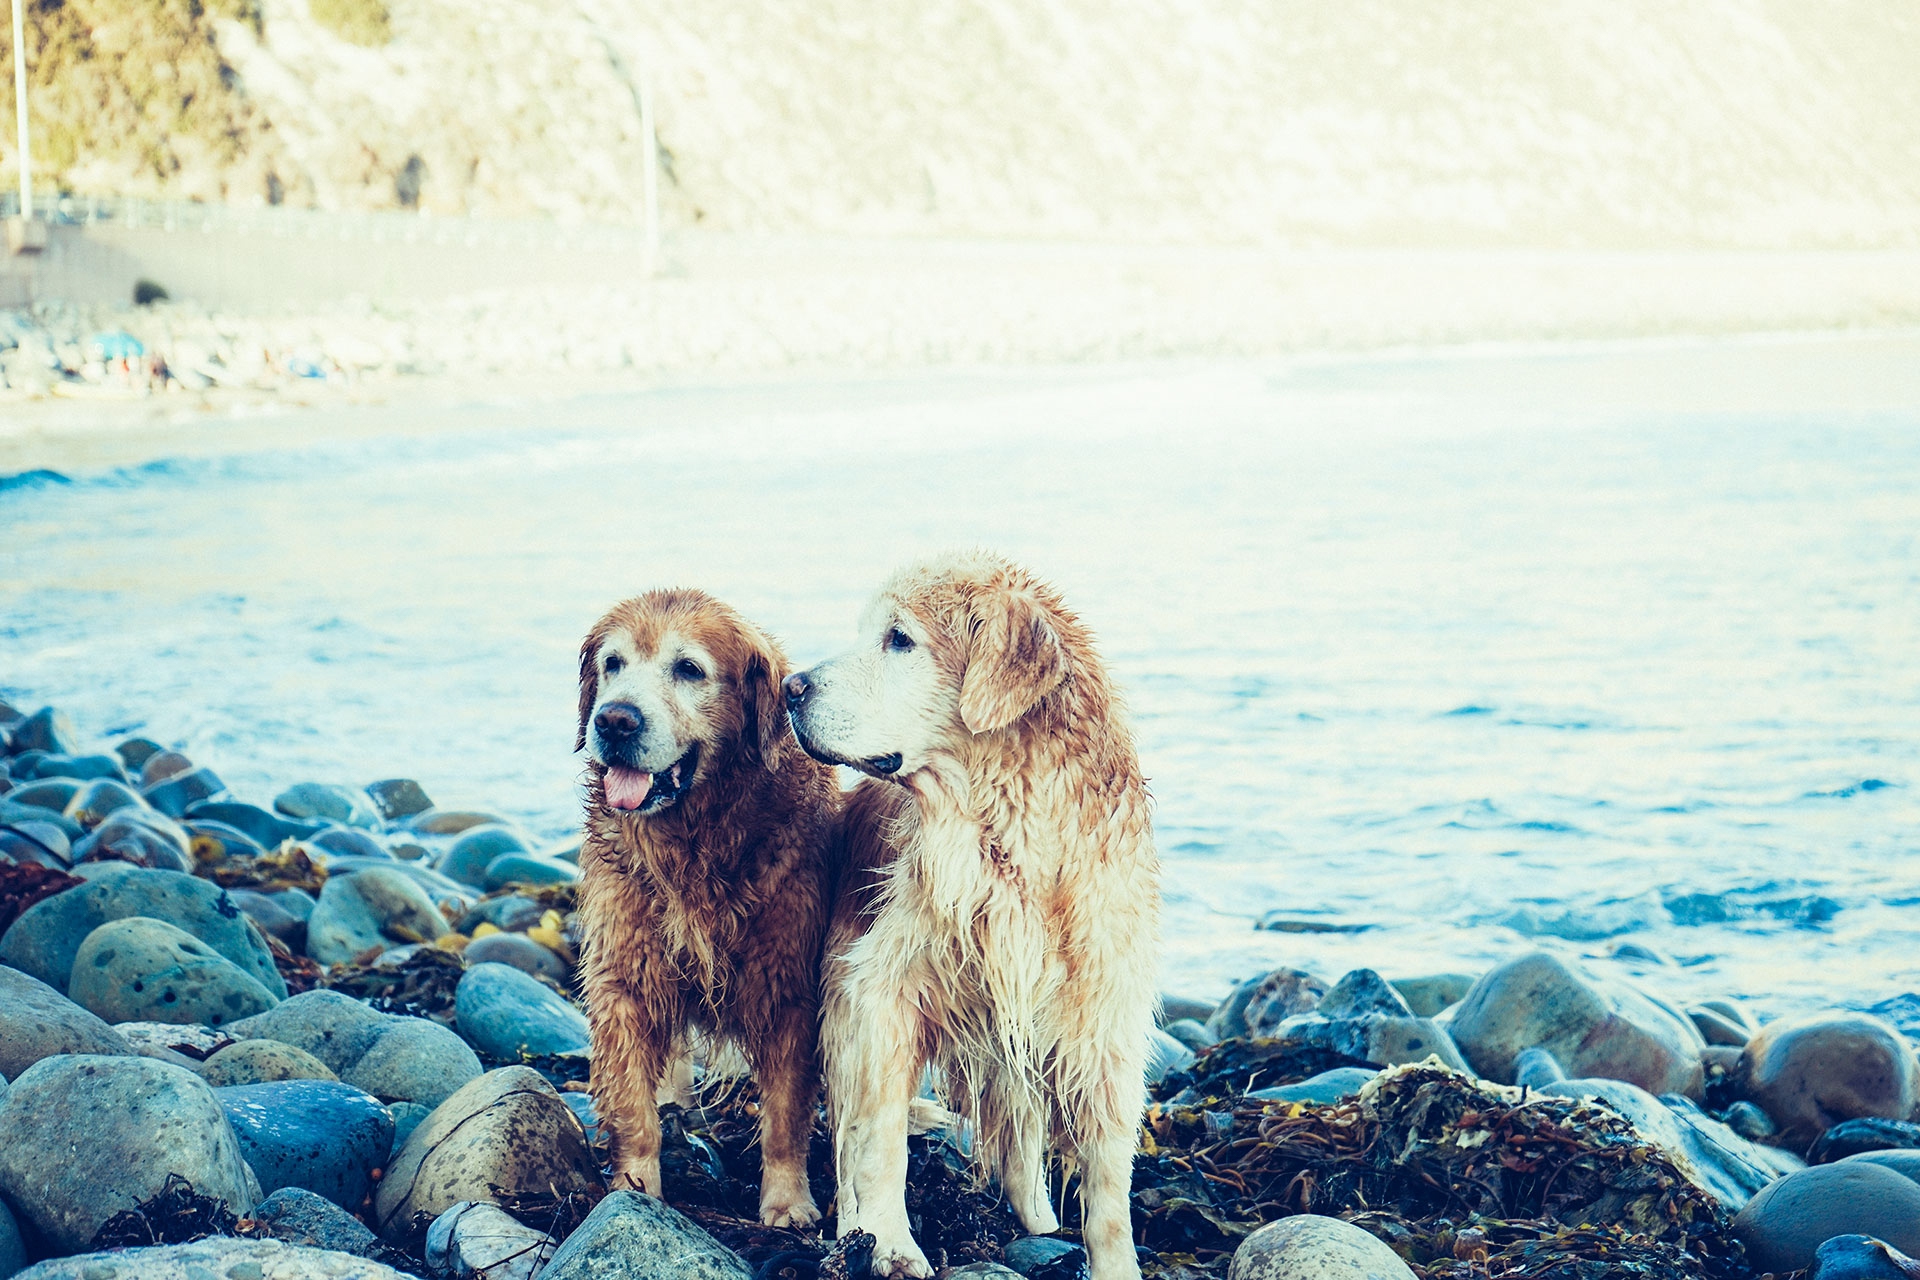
point(1001, 917)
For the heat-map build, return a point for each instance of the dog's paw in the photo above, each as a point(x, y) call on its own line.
point(799, 1213)
point(899, 1258)
point(1038, 1218)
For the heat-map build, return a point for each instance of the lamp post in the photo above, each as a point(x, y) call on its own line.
point(20, 106)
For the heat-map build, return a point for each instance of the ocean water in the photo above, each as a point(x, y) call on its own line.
point(1436, 657)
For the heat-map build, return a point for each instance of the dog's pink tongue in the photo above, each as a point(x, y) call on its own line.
point(627, 788)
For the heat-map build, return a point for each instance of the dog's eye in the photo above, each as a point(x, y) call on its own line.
point(899, 641)
point(688, 669)
point(614, 663)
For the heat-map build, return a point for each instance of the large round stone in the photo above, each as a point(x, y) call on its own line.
point(1309, 1247)
point(84, 1137)
point(298, 1216)
point(370, 910)
point(1788, 1220)
point(324, 800)
point(47, 936)
point(141, 970)
point(507, 1130)
point(630, 1236)
point(94, 801)
point(335, 1028)
point(46, 730)
point(1259, 1006)
point(476, 850)
point(505, 1013)
point(527, 868)
point(139, 836)
point(261, 1062)
point(1810, 1073)
point(398, 798)
point(322, 1135)
point(1591, 1026)
point(414, 1060)
point(518, 950)
point(214, 1259)
point(38, 1022)
point(178, 792)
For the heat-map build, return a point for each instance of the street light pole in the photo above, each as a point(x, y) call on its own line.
point(20, 105)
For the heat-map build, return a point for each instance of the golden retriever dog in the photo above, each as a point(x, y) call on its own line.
point(704, 878)
point(1000, 917)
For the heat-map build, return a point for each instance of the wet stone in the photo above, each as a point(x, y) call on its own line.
point(518, 950)
point(505, 1013)
point(1031, 1254)
point(1853, 1137)
point(217, 840)
point(1258, 1007)
point(135, 752)
point(272, 917)
point(1716, 1028)
point(1432, 993)
point(1308, 1247)
point(295, 1215)
point(630, 1236)
point(396, 798)
point(82, 1138)
point(47, 936)
point(141, 970)
point(138, 836)
point(371, 910)
point(414, 1060)
point(181, 791)
point(324, 800)
point(1165, 1054)
point(40, 842)
point(520, 868)
point(1861, 1258)
point(447, 822)
point(475, 851)
point(1363, 1017)
point(1786, 1223)
point(336, 1029)
point(349, 842)
point(261, 1062)
point(165, 765)
point(474, 1241)
point(46, 730)
point(1323, 1090)
point(84, 768)
point(264, 828)
point(322, 1135)
point(1190, 1033)
point(38, 1022)
point(1808, 1073)
point(51, 794)
point(96, 799)
point(218, 1258)
point(511, 913)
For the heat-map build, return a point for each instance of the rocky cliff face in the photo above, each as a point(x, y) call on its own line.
point(1490, 122)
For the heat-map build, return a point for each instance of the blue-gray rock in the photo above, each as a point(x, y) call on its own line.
point(1364, 1017)
point(295, 1215)
point(218, 1258)
point(85, 768)
point(512, 912)
point(1861, 1258)
point(41, 842)
point(406, 1118)
point(445, 893)
point(630, 1236)
point(1536, 1069)
point(51, 794)
point(350, 842)
point(1592, 1027)
point(525, 868)
point(135, 752)
point(397, 798)
point(92, 803)
point(273, 918)
point(139, 970)
point(1785, 1224)
point(505, 1013)
point(584, 1110)
point(506, 1132)
point(323, 800)
point(1309, 1247)
point(1258, 1007)
point(138, 836)
point(180, 792)
point(448, 822)
point(84, 1137)
point(260, 1062)
point(13, 1248)
point(1323, 1090)
point(371, 910)
point(335, 1028)
point(566, 851)
point(1868, 1133)
point(1812, 1072)
point(1711, 1155)
point(475, 1241)
point(414, 1060)
point(45, 730)
point(1902, 1161)
point(297, 902)
point(322, 1135)
point(1429, 994)
point(47, 936)
point(1165, 1055)
point(38, 1022)
point(518, 950)
point(159, 768)
point(1174, 1007)
point(1192, 1034)
point(12, 814)
point(263, 827)
point(1029, 1254)
point(1750, 1122)
point(476, 850)
point(1716, 1028)
point(216, 840)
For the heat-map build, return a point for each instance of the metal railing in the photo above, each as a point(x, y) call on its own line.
point(361, 226)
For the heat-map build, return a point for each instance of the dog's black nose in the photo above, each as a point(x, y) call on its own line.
point(798, 687)
point(618, 721)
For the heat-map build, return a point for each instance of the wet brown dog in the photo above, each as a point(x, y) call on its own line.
point(704, 877)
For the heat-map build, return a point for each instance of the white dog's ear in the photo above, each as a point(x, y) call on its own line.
point(1014, 660)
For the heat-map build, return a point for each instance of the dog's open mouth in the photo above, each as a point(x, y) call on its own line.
point(637, 791)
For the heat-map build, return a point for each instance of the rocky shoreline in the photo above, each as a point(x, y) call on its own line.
point(338, 1036)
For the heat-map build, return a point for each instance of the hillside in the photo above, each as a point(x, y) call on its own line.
point(1637, 123)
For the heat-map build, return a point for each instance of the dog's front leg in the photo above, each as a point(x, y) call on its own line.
point(786, 1062)
point(628, 1066)
point(871, 1043)
point(1106, 1181)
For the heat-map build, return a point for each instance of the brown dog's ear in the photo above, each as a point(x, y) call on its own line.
point(589, 684)
point(1015, 659)
point(765, 732)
